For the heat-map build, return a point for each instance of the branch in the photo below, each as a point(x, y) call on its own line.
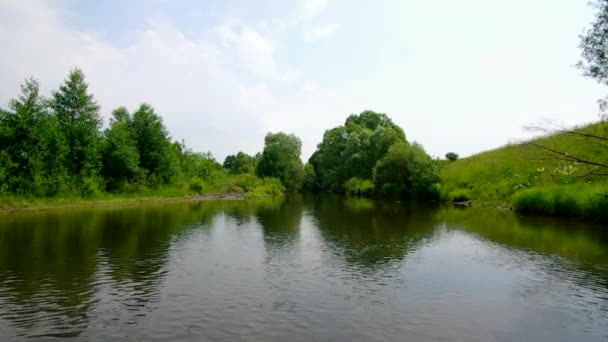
point(567, 157)
point(586, 135)
point(565, 131)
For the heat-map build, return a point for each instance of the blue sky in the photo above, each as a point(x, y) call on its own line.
point(461, 76)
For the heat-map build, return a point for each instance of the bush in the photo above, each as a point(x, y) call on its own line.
point(196, 185)
point(90, 187)
point(451, 156)
point(568, 201)
point(358, 186)
point(268, 187)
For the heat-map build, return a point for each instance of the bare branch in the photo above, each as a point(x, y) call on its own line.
point(568, 157)
point(562, 130)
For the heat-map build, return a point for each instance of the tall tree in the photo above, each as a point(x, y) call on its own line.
point(79, 121)
point(281, 159)
point(352, 150)
point(30, 143)
point(120, 157)
point(19, 137)
point(152, 141)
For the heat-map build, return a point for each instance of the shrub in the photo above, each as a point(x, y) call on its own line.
point(568, 201)
point(451, 156)
point(196, 185)
point(358, 186)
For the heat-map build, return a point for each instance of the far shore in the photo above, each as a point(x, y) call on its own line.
point(83, 203)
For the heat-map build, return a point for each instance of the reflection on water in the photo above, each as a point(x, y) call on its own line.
point(300, 268)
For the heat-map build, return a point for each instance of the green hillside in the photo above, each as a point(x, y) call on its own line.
point(534, 178)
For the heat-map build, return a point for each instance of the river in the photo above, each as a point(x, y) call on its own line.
point(300, 269)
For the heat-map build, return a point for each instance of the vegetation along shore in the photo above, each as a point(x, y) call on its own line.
point(55, 154)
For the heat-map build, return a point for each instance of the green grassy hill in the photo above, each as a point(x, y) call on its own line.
point(532, 179)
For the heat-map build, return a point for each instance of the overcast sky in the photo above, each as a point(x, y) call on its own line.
point(461, 76)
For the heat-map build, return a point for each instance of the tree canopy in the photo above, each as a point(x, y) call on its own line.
point(352, 150)
point(594, 50)
point(281, 159)
point(56, 146)
point(371, 152)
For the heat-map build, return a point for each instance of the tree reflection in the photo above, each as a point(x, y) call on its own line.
point(370, 234)
point(280, 221)
point(55, 267)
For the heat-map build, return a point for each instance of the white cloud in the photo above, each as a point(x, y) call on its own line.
point(216, 93)
point(320, 32)
point(254, 52)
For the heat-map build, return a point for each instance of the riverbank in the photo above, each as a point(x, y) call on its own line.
point(532, 180)
point(30, 205)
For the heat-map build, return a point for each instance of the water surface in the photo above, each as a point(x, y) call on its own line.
point(300, 269)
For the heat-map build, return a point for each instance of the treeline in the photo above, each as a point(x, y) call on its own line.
point(369, 156)
point(55, 146)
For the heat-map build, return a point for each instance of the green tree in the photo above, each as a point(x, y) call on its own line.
point(352, 150)
point(78, 116)
point(19, 137)
point(153, 144)
point(240, 163)
point(594, 46)
point(120, 157)
point(310, 178)
point(31, 145)
point(451, 156)
point(406, 172)
point(281, 159)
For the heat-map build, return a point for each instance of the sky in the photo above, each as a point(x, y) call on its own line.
point(463, 76)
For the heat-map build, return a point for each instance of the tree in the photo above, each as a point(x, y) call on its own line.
point(594, 64)
point(31, 144)
point(594, 46)
point(406, 171)
point(229, 162)
point(152, 142)
point(240, 163)
point(451, 156)
point(120, 157)
point(281, 159)
point(352, 150)
point(78, 116)
point(310, 178)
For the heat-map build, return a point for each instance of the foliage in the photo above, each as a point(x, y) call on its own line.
point(495, 176)
point(281, 159)
point(577, 200)
point(358, 186)
point(310, 178)
point(594, 44)
point(240, 163)
point(120, 156)
point(532, 180)
point(354, 149)
point(78, 116)
point(152, 141)
point(55, 149)
point(451, 156)
point(406, 172)
point(33, 148)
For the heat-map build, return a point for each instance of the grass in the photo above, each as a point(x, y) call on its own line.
point(245, 185)
point(531, 180)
